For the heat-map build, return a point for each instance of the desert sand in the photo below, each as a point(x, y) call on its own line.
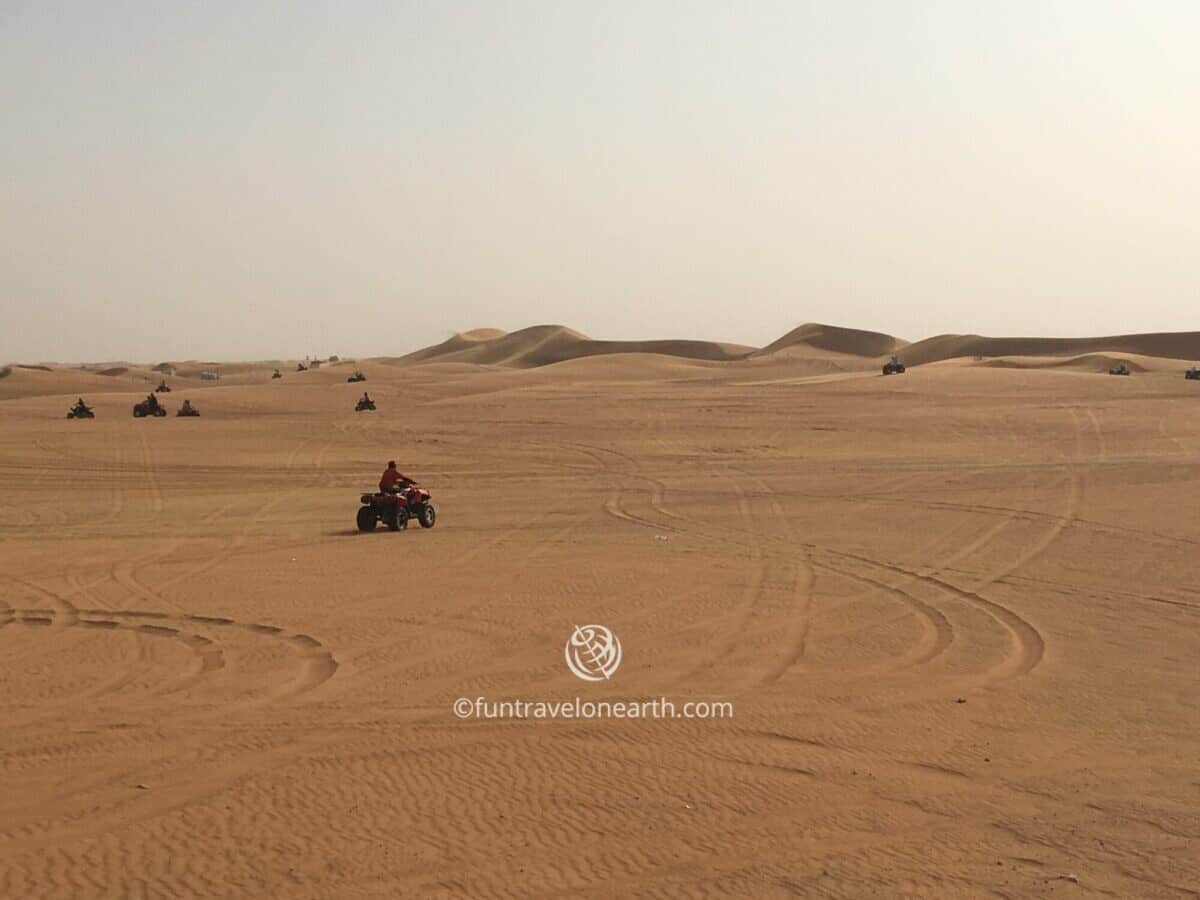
point(956, 613)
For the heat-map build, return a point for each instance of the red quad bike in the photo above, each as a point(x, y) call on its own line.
point(394, 510)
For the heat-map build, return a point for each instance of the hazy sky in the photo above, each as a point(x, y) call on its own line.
point(234, 180)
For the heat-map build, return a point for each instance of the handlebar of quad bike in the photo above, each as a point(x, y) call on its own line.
point(406, 483)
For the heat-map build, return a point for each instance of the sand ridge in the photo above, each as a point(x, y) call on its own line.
point(542, 345)
point(830, 338)
point(834, 347)
point(1171, 345)
point(846, 348)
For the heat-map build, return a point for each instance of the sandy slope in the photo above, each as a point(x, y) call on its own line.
point(543, 345)
point(838, 348)
point(814, 337)
point(956, 612)
point(1182, 345)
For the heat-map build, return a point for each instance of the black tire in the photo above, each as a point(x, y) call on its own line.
point(366, 518)
point(398, 520)
point(159, 413)
point(138, 412)
point(427, 516)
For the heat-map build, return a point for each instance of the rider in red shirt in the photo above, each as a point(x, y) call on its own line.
point(391, 480)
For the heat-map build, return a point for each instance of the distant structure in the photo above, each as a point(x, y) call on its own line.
point(334, 359)
point(210, 376)
point(315, 364)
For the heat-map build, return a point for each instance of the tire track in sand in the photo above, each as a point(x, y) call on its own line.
point(799, 624)
point(1026, 642)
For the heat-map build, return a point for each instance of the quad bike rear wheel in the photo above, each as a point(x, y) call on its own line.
point(427, 515)
point(366, 518)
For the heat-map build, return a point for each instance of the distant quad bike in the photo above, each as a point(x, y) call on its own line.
point(80, 411)
point(893, 366)
point(394, 510)
point(1119, 369)
point(357, 376)
point(301, 367)
point(276, 374)
point(187, 409)
point(364, 404)
point(1192, 374)
point(163, 387)
point(149, 407)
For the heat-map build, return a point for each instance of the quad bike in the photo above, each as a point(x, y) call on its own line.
point(163, 388)
point(394, 510)
point(149, 407)
point(187, 410)
point(301, 367)
point(1119, 369)
point(1192, 374)
point(80, 411)
point(276, 375)
point(357, 376)
point(893, 366)
point(364, 404)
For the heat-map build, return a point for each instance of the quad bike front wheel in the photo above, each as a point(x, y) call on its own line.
point(366, 518)
point(427, 516)
point(398, 520)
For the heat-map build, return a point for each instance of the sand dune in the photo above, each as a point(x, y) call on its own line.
point(464, 340)
point(813, 347)
point(833, 339)
point(847, 348)
point(1173, 345)
point(810, 350)
point(543, 345)
point(1088, 362)
point(518, 348)
point(481, 334)
point(42, 381)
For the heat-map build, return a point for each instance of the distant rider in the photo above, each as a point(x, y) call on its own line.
point(391, 481)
